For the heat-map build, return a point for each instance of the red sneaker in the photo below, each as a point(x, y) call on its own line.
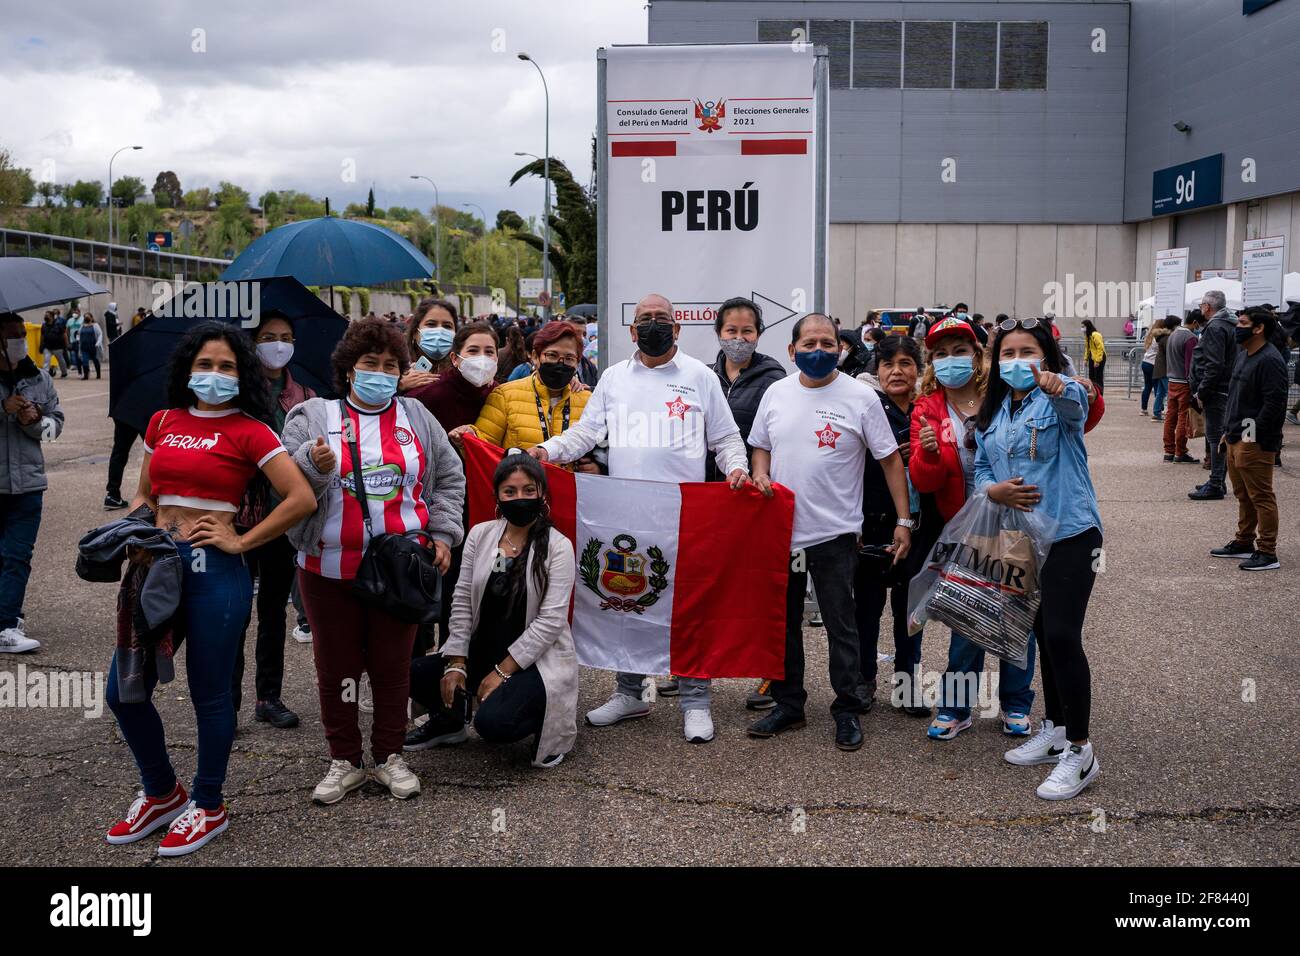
point(193, 829)
point(148, 814)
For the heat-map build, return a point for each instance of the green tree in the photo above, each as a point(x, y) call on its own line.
point(127, 190)
point(230, 194)
point(508, 219)
point(197, 199)
point(47, 191)
point(370, 202)
point(573, 231)
point(85, 193)
point(16, 184)
point(167, 189)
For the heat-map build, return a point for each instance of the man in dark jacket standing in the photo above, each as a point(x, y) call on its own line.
point(1252, 438)
point(1210, 376)
point(30, 412)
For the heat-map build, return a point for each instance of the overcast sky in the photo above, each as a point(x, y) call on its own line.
point(287, 92)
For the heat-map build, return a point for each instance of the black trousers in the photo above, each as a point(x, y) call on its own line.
point(124, 437)
point(273, 566)
point(514, 710)
point(1067, 579)
point(832, 565)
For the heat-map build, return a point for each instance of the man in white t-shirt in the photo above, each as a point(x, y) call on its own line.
point(812, 434)
point(662, 411)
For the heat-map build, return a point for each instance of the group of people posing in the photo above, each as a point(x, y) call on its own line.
point(246, 470)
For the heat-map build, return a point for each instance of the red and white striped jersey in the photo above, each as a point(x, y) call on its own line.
point(392, 465)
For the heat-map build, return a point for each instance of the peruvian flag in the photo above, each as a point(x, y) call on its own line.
point(685, 579)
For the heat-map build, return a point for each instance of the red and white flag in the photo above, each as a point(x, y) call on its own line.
point(687, 579)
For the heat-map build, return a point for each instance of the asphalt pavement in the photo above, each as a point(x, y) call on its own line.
point(1194, 668)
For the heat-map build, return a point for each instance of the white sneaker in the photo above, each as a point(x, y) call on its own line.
point(365, 699)
point(302, 635)
point(341, 780)
point(1046, 746)
point(619, 707)
point(14, 641)
point(1077, 768)
point(397, 777)
point(699, 726)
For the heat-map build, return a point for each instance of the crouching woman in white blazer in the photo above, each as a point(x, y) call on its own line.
point(509, 648)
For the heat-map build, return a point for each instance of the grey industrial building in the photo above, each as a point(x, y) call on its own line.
point(982, 150)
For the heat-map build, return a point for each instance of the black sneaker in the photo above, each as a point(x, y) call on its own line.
point(1169, 457)
point(438, 731)
point(1259, 561)
point(274, 712)
point(777, 722)
point(848, 732)
point(1233, 549)
point(1184, 460)
point(113, 503)
point(1207, 492)
point(761, 698)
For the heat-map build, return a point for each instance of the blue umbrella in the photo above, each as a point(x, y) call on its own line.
point(331, 251)
point(28, 283)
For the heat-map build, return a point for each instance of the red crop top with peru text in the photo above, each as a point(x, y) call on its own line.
point(204, 459)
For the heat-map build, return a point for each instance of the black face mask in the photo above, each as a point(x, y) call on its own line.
point(556, 375)
point(521, 512)
point(1242, 334)
point(656, 340)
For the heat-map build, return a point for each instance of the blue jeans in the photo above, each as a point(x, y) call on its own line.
point(960, 680)
point(693, 693)
point(1162, 392)
point(215, 605)
point(1148, 383)
point(20, 520)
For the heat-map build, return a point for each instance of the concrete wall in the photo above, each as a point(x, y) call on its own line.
point(1234, 79)
point(993, 267)
point(1054, 156)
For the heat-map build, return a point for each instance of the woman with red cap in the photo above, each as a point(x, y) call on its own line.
point(943, 464)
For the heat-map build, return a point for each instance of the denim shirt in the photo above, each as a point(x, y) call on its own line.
point(1059, 464)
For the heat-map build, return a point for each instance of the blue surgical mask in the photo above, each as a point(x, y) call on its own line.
point(1017, 374)
point(954, 371)
point(436, 342)
point(869, 346)
point(818, 363)
point(213, 387)
point(374, 388)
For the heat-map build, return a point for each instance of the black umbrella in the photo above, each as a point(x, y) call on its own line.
point(586, 310)
point(29, 283)
point(137, 380)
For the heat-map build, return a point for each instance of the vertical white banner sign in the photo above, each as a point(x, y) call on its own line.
point(1170, 281)
point(1263, 265)
point(711, 189)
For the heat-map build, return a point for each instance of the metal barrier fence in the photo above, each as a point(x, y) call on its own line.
point(88, 255)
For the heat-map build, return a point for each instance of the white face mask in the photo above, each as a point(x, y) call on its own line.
point(478, 370)
point(16, 349)
point(275, 354)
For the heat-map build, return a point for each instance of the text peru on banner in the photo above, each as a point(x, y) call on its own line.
point(688, 579)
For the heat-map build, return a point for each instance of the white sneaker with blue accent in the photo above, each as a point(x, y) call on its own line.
point(14, 641)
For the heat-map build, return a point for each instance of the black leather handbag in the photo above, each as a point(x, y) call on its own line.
point(396, 574)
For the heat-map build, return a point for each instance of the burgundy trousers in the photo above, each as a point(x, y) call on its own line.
point(349, 637)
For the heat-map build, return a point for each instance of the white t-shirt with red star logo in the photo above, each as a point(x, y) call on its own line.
point(819, 438)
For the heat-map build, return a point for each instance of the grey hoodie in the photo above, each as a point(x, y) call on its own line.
point(22, 463)
point(443, 481)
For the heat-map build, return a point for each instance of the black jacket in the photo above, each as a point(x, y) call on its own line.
point(877, 502)
point(1258, 393)
point(1212, 360)
point(744, 394)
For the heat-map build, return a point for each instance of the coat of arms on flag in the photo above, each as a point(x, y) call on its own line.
point(624, 574)
point(710, 114)
point(685, 578)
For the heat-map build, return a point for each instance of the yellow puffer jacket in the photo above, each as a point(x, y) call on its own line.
point(509, 417)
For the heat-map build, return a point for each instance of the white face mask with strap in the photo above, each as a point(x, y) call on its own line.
point(16, 350)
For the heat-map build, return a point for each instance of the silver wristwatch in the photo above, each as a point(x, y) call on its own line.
point(907, 523)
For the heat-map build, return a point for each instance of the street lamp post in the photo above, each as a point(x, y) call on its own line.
point(437, 228)
point(546, 177)
point(110, 194)
point(484, 215)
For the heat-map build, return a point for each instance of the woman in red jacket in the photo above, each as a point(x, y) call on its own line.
point(943, 464)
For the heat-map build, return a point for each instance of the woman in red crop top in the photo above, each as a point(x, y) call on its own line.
point(200, 456)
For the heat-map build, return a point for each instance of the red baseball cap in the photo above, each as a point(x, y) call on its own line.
point(950, 326)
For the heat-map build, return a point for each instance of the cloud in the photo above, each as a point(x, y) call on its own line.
point(281, 95)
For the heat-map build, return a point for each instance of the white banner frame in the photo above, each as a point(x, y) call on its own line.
point(1263, 284)
point(1174, 264)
